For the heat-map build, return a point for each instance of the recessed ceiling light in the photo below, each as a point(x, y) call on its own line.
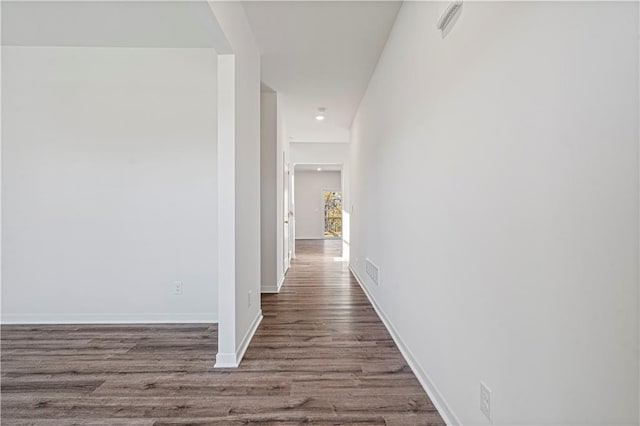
point(319, 117)
point(319, 169)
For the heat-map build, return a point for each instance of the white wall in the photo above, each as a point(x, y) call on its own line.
point(274, 152)
point(319, 152)
point(108, 184)
point(309, 201)
point(323, 153)
point(283, 164)
point(495, 183)
point(241, 295)
point(268, 190)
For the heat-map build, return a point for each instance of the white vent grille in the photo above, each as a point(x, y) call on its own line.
point(449, 17)
point(373, 271)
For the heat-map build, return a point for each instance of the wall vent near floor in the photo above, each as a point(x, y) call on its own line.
point(373, 271)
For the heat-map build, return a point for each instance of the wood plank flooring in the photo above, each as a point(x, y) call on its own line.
point(321, 355)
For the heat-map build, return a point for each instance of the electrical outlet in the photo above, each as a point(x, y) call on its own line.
point(249, 297)
point(485, 401)
point(177, 288)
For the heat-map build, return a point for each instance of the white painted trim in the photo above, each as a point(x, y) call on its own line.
point(225, 360)
point(272, 290)
point(232, 360)
point(178, 318)
point(244, 344)
point(427, 384)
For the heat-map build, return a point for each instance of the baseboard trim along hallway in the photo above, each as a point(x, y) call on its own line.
point(271, 290)
point(224, 360)
point(159, 318)
point(427, 384)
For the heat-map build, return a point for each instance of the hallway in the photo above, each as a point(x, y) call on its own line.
point(321, 334)
point(321, 354)
point(162, 161)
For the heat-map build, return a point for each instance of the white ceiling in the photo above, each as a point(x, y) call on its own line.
point(320, 54)
point(111, 24)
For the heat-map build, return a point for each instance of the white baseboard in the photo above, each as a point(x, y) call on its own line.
point(429, 387)
point(232, 360)
point(178, 318)
point(244, 344)
point(226, 360)
point(276, 289)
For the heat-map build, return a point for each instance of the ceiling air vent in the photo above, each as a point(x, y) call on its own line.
point(449, 17)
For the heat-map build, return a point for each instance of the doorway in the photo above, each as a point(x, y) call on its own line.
point(332, 214)
point(318, 199)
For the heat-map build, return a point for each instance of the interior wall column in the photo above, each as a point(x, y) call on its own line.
point(226, 356)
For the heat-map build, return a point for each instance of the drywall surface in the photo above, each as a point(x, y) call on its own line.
point(283, 201)
point(268, 190)
point(319, 152)
point(108, 184)
point(309, 201)
point(246, 134)
point(494, 178)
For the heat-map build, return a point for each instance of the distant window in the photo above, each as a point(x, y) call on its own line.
point(332, 214)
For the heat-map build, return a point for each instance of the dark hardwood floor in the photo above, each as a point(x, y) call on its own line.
point(321, 355)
